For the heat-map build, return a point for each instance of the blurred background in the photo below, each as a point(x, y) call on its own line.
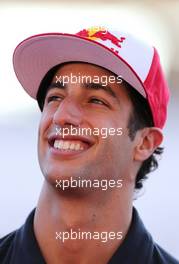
point(20, 177)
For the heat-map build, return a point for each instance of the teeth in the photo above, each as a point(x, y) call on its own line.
point(67, 145)
point(56, 144)
point(72, 146)
point(77, 147)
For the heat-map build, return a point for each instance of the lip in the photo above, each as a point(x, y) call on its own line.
point(86, 142)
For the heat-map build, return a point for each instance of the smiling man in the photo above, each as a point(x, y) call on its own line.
point(85, 212)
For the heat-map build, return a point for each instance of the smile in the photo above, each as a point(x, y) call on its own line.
point(69, 145)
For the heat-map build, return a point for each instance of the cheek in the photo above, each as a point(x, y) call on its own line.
point(104, 121)
point(119, 145)
point(45, 122)
point(120, 152)
point(46, 117)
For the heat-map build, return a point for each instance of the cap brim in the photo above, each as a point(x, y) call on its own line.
point(35, 56)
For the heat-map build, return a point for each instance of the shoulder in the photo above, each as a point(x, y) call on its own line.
point(162, 256)
point(6, 246)
point(146, 249)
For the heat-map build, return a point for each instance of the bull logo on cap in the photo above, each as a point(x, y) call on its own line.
point(99, 33)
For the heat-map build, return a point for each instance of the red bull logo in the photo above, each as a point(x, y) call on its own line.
point(103, 35)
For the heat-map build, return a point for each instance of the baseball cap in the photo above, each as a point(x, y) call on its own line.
point(137, 62)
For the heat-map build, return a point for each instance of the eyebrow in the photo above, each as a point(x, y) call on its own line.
point(58, 84)
point(88, 86)
point(99, 86)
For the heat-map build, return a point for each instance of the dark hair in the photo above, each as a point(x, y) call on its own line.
point(140, 117)
point(44, 85)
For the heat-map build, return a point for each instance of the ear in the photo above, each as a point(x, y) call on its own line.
point(147, 140)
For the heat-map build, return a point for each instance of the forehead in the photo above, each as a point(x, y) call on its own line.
point(83, 67)
point(84, 70)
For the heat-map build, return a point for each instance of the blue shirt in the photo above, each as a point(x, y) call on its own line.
point(138, 247)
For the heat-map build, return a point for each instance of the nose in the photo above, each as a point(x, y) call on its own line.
point(69, 112)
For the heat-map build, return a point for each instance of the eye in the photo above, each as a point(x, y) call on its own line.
point(53, 98)
point(97, 101)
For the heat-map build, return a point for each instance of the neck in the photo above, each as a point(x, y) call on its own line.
point(102, 214)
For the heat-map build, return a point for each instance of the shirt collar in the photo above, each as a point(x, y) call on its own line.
point(26, 246)
point(137, 240)
point(137, 245)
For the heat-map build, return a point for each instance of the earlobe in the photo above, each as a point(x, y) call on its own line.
point(148, 140)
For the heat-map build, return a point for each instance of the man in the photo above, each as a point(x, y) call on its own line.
point(104, 100)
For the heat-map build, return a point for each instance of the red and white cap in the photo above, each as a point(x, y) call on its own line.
point(135, 61)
